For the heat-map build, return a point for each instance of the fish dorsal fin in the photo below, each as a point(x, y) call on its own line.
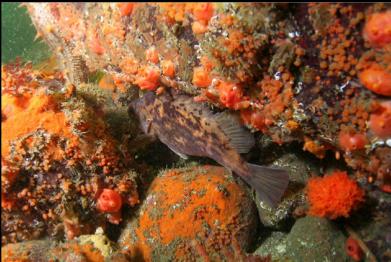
point(239, 137)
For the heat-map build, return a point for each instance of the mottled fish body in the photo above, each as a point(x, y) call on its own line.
point(190, 128)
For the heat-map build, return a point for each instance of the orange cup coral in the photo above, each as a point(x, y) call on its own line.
point(333, 196)
point(201, 77)
point(168, 68)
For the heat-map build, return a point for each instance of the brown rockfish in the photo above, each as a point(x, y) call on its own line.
point(190, 128)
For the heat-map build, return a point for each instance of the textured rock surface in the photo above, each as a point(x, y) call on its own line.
point(310, 239)
point(93, 248)
point(191, 208)
point(315, 239)
point(374, 226)
point(299, 170)
point(292, 71)
point(274, 245)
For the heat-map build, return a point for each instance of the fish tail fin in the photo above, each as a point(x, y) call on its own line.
point(270, 183)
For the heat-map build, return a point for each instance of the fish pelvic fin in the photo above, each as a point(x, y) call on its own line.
point(270, 183)
point(183, 156)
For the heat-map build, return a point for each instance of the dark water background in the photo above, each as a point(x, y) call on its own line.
point(17, 36)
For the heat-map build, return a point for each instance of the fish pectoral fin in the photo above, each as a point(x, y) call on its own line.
point(178, 153)
point(239, 137)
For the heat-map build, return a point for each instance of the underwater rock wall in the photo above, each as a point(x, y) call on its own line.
point(310, 76)
point(314, 73)
point(58, 158)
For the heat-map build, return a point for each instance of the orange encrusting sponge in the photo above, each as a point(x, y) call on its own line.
point(334, 195)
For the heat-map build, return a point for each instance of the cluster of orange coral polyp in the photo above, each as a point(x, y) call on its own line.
point(377, 79)
point(126, 8)
point(377, 30)
point(230, 94)
point(149, 78)
point(203, 12)
point(61, 251)
point(168, 68)
point(96, 46)
point(152, 55)
point(254, 118)
point(273, 100)
point(201, 77)
point(26, 113)
point(198, 28)
point(334, 195)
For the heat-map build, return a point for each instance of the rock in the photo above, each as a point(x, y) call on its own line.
point(94, 248)
point(373, 224)
point(311, 239)
point(189, 212)
point(266, 56)
point(315, 239)
point(299, 170)
point(274, 245)
point(57, 156)
point(99, 241)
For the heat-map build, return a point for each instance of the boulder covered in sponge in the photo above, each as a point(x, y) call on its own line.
point(190, 213)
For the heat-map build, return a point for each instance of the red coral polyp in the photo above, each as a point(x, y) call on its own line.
point(201, 77)
point(96, 46)
point(125, 8)
point(109, 201)
point(152, 55)
point(377, 30)
point(376, 79)
point(149, 79)
point(230, 94)
point(353, 249)
point(349, 141)
point(254, 118)
point(203, 12)
point(380, 121)
point(333, 196)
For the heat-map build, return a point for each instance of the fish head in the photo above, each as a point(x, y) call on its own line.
point(142, 110)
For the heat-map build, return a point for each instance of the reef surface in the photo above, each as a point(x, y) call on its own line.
point(311, 81)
